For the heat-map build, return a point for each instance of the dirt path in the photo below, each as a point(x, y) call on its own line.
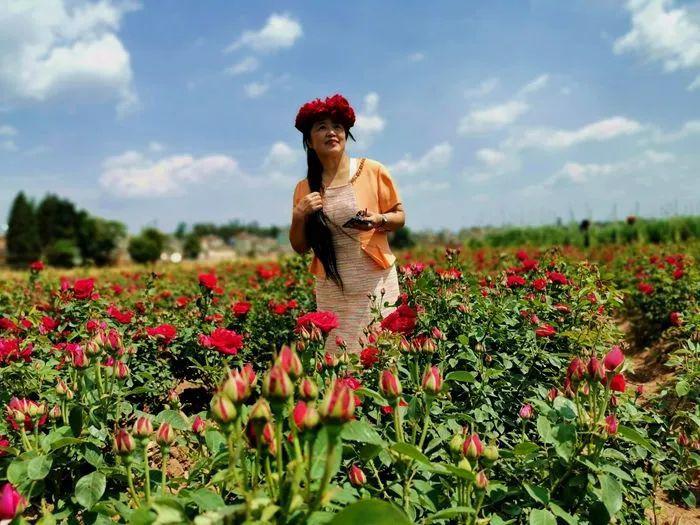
point(649, 371)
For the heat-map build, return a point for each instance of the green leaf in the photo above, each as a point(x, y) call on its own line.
point(450, 513)
point(215, 440)
point(371, 512)
point(206, 499)
point(682, 388)
point(539, 494)
point(176, 419)
point(64, 442)
point(381, 401)
point(561, 513)
point(611, 493)
point(362, 432)
point(542, 517)
point(17, 472)
point(410, 451)
point(525, 448)
point(461, 376)
point(39, 467)
point(90, 489)
point(544, 428)
point(631, 434)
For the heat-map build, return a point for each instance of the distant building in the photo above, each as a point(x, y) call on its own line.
point(213, 248)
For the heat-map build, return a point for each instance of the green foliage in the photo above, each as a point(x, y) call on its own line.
point(147, 246)
point(23, 242)
point(62, 253)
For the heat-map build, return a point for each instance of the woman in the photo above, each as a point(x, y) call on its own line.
point(353, 265)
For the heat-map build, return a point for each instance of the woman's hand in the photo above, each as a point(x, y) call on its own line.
point(375, 221)
point(308, 205)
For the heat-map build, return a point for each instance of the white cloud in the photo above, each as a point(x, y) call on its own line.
point(8, 131)
point(437, 157)
point(279, 32)
point(416, 57)
point(368, 122)
point(535, 85)
point(132, 174)
point(662, 33)
point(486, 87)
point(8, 145)
point(281, 166)
point(491, 157)
point(55, 47)
point(256, 89)
point(425, 186)
point(492, 118)
point(689, 128)
point(246, 65)
point(549, 138)
point(155, 147)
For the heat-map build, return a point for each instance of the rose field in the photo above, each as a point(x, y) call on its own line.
point(520, 386)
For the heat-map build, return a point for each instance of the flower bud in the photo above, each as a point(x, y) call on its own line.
point(357, 476)
point(429, 346)
point(464, 464)
point(683, 440)
point(61, 388)
point(308, 390)
point(404, 345)
point(437, 334)
point(236, 387)
point(12, 503)
point(305, 416)
point(456, 443)
point(472, 448)
point(595, 369)
point(490, 454)
point(199, 425)
point(55, 412)
point(526, 411)
point(290, 362)
point(121, 371)
point(249, 374)
point(432, 381)
point(617, 383)
point(389, 385)
point(276, 385)
point(611, 424)
point(576, 371)
point(173, 399)
point(340, 343)
point(613, 359)
point(330, 360)
point(123, 442)
point(338, 404)
point(260, 411)
point(222, 409)
point(552, 394)
point(481, 480)
point(143, 428)
point(79, 359)
point(165, 435)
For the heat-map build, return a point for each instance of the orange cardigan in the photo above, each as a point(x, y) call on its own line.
point(376, 191)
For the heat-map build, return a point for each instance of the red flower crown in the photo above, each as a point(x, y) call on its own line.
point(337, 108)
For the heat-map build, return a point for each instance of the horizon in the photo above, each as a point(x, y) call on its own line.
point(495, 114)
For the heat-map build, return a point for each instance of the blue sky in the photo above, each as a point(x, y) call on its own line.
point(484, 112)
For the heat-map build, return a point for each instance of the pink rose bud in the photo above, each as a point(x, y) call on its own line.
point(405, 345)
point(553, 394)
point(357, 476)
point(481, 480)
point(236, 387)
point(576, 371)
point(173, 399)
point(123, 442)
point(55, 412)
point(290, 362)
point(338, 404)
point(222, 409)
point(340, 342)
point(389, 385)
point(276, 385)
point(614, 358)
point(526, 411)
point(437, 334)
point(614, 401)
point(428, 345)
point(640, 390)
point(260, 411)
point(683, 439)
point(432, 381)
point(472, 447)
point(165, 435)
point(61, 388)
point(308, 390)
point(305, 416)
point(143, 428)
point(611, 424)
point(595, 369)
point(330, 360)
point(121, 371)
point(12, 503)
point(676, 318)
point(248, 372)
point(79, 359)
point(199, 425)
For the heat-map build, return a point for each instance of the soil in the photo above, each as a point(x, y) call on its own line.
point(648, 369)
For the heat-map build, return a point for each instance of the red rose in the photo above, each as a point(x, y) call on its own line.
point(557, 277)
point(676, 318)
point(369, 356)
point(119, 316)
point(514, 281)
point(223, 340)
point(241, 309)
point(402, 320)
point(539, 284)
point(82, 288)
point(545, 330)
point(324, 321)
point(207, 280)
point(36, 266)
point(645, 288)
point(165, 333)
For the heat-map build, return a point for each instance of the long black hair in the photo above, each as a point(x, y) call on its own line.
point(317, 231)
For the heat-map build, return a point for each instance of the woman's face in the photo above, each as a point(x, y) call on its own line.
point(327, 137)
